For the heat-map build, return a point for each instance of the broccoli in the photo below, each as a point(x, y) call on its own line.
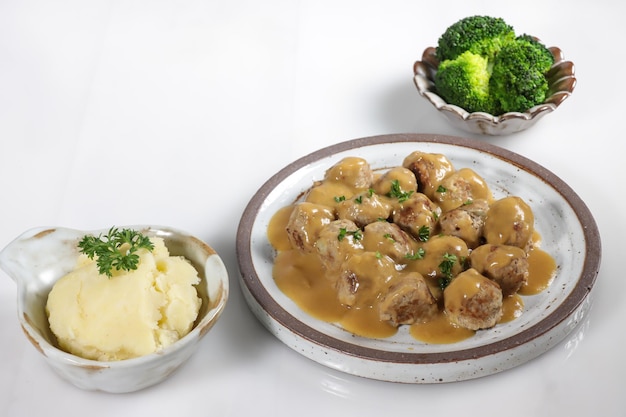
point(484, 66)
point(544, 56)
point(464, 81)
point(518, 80)
point(483, 35)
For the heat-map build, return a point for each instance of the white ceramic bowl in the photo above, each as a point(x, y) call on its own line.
point(568, 231)
point(561, 81)
point(39, 257)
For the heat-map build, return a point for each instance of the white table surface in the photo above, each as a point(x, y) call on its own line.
point(176, 112)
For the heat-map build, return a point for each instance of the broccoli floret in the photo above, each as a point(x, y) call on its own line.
point(518, 81)
point(464, 81)
point(482, 35)
point(544, 57)
point(484, 66)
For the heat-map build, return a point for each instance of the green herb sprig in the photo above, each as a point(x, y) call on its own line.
point(423, 233)
point(446, 266)
point(397, 192)
point(343, 233)
point(115, 250)
point(418, 254)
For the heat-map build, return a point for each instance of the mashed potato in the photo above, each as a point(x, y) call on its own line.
point(131, 314)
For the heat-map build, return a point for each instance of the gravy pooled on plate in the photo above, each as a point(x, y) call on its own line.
point(423, 245)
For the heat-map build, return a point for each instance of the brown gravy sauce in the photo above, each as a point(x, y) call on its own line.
point(303, 278)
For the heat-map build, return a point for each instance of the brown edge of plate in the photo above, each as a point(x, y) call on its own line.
point(562, 312)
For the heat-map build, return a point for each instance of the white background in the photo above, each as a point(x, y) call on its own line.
point(176, 112)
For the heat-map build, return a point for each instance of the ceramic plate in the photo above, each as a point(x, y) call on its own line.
point(569, 233)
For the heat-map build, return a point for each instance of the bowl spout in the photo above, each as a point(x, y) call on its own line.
point(40, 255)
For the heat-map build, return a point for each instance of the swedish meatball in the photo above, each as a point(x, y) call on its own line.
point(363, 278)
point(329, 193)
point(438, 249)
point(337, 241)
point(388, 239)
point(509, 221)
point(353, 171)
point(305, 222)
point(395, 182)
point(408, 301)
point(429, 169)
point(461, 187)
point(473, 301)
point(466, 222)
point(417, 215)
point(364, 208)
point(506, 265)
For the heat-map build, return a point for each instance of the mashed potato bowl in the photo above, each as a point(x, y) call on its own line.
point(561, 82)
point(39, 257)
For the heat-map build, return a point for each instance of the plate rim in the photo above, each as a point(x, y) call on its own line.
point(570, 305)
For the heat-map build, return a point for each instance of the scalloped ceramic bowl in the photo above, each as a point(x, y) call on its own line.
point(39, 257)
point(561, 80)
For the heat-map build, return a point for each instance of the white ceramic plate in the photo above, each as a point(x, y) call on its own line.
point(569, 233)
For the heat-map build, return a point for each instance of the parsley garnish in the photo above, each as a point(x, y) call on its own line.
point(115, 250)
point(343, 232)
point(396, 192)
point(419, 254)
point(446, 269)
point(441, 189)
point(339, 199)
point(423, 234)
point(443, 282)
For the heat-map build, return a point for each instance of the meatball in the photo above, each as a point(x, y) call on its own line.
point(466, 222)
point(396, 183)
point(366, 207)
point(445, 256)
point(337, 241)
point(305, 222)
point(408, 301)
point(353, 171)
point(417, 215)
point(461, 187)
point(363, 278)
point(509, 221)
point(388, 239)
point(429, 169)
point(473, 301)
point(506, 265)
point(329, 193)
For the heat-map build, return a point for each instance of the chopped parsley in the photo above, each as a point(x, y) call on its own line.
point(445, 267)
point(396, 192)
point(343, 233)
point(423, 234)
point(419, 254)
